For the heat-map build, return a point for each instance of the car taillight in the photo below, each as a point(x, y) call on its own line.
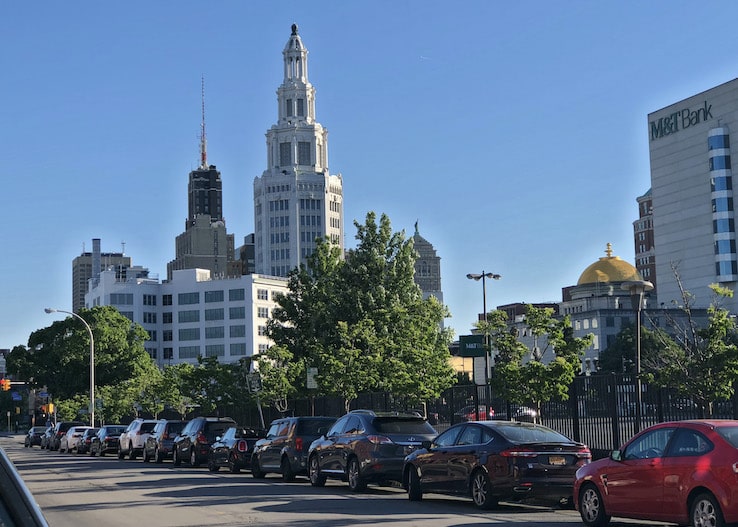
point(379, 440)
point(518, 452)
point(584, 453)
point(298, 444)
point(165, 436)
point(201, 438)
point(242, 446)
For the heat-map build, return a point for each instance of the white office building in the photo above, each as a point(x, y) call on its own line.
point(692, 192)
point(194, 314)
point(296, 199)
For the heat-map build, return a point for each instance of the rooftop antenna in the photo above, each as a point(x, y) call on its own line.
point(203, 139)
point(123, 247)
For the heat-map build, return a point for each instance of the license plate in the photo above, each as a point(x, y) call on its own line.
point(556, 460)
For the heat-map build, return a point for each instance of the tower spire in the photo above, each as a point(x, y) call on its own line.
point(203, 138)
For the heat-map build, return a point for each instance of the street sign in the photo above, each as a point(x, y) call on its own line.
point(16, 396)
point(43, 394)
point(312, 384)
point(471, 346)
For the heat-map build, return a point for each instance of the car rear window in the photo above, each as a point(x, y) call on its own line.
point(146, 428)
point(311, 426)
point(116, 430)
point(530, 434)
point(175, 428)
point(217, 428)
point(729, 433)
point(393, 425)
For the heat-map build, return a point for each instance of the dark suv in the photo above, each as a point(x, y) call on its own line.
point(158, 445)
point(193, 444)
point(60, 430)
point(365, 446)
point(286, 446)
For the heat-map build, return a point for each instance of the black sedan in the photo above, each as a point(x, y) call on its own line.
point(33, 436)
point(496, 460)
point(233, 449)
point(106, 440)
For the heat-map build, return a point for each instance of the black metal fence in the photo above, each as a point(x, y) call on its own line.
point(600, 410)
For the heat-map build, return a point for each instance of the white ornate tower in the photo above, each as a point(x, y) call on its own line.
point(296, 200)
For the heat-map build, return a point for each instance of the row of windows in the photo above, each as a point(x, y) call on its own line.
point(279, 221)
point(315, 187)
point(290, 109)
point(726, 268)
point(280, 270)
point(310, 204)
point(335, 206)
point(721, 183)
point(309, 236)
point(211, 350)
point(722, 204)
point(149, 300)
point(193, 315)
point(216, 332)
point(278, 188)
point(280, 237)
point(723, 225)
point(279, 204)
point(716, 142)
point(121, 299)
point(280, 254)
point(643, 261)
point(725, 247)
point(335, 223)
point(307, 220)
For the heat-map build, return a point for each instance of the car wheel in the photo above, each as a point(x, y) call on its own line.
point(121, 455)
point(145, 456)
point(25, 444)
point(158, 456)
point(175, 458)
point(355, 481)
point(131, 453)
point(481, 491)
point(706, 512)
point(414, 490)
point(316, 478)
point(233, 467)
point(212, 467)
point(592, 508)
point(193, 458)
point(287, 473)
point(256, 469)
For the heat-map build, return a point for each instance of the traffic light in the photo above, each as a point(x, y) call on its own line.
point(5, 383)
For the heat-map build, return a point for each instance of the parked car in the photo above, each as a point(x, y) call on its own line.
point(496, 460)
point(106, 440)
point(83, 446)
point(285, 447)
point(17, 506)
point(233, 449)
point(525, 413)
point(193, 444)
point(60, 429)
point(131, 442)
point(158, 445)
point(33, 436)
point(681, 472)
point(365, 446)
point(46, 437)
point(70, 440)
point(475, 413)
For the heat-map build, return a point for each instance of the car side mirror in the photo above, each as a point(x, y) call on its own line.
point(218, 438)
point(616, 455)
point(426, 444)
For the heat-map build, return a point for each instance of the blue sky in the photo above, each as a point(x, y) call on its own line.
point(513, 132)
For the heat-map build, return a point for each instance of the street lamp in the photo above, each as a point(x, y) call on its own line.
point(476, 277)
point(92, 359)
point(637, 290)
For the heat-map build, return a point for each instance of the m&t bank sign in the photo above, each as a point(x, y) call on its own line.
point(679, 120)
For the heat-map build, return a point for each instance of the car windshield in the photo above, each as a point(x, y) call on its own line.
point(115, 430)
point(516, 433)
point(729, 433)
point(175, 428)
point(311, 426)
point(411, 425)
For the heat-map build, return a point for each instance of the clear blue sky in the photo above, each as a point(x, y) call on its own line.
point(513, 132)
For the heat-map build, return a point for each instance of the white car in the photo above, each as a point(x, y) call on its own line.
point(70, 441)
point(133, 440)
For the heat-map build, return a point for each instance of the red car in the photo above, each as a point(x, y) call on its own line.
point(683, 472)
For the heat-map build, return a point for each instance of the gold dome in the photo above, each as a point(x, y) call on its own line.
point(609, 269)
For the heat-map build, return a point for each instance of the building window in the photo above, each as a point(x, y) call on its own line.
point(717, 142)
point(149, 318)
point(263, 348)
point(724, 246)
point(238, 349)
point(214, 350)
point(168, 353)
point(121, 299)
point(262, 294)
point(166, 300)
point(188, 298)
point(149, 300)
point(152, 335)
point(213, 296)
point(720, 163)
point(189, 352)
point(151, 352)
point(215, 314)
point(237, 331)
point(262, 312)
point(303, 153)
point(189, 334)
point(166, 318)
point(721, 183)
point(236, 294)
point(288, 107)
point(285, 159)
point(167, 335)
point(217, 332)
point(188, 316)
point(300, 107)
point(262, 331)
point(236, 312)
point(128, 315)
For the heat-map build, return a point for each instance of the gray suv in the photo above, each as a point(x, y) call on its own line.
point(286, 445)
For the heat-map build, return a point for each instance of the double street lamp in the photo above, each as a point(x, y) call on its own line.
point(483, 277)
point(637, 289)
point(92, 359)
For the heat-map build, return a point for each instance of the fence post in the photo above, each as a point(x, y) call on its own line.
point(574, 408)
point(612, 388)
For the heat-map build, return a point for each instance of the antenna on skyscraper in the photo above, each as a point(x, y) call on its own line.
point(203, 140)
point(123, 247)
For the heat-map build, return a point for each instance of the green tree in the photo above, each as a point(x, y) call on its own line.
point(620, 356)
point(534, 381)
point(280, 376)
point(701, 363)
point(362, 321)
